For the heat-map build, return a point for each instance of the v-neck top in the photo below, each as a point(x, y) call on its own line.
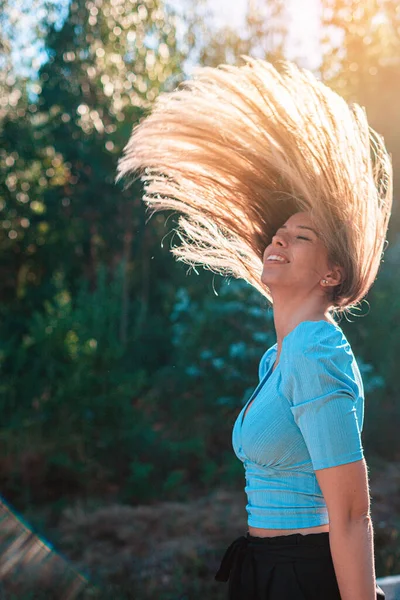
point(306, 414)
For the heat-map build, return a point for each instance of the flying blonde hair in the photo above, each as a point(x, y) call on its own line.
point(239, 149)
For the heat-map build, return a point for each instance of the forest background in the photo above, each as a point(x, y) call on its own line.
point(121, 370)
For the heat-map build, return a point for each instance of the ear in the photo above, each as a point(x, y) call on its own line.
point(336, 275)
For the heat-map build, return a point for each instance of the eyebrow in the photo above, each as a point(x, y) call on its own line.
point(300, 227)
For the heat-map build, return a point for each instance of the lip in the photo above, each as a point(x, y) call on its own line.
point(277, 254)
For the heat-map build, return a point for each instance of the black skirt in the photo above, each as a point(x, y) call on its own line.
point(285, 567)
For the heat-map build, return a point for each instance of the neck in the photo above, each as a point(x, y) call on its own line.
point(288, 314)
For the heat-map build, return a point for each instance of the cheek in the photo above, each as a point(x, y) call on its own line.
point(266, 251)
point(305, 253)
point(308, 259)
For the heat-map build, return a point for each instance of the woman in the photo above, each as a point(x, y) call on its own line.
point(286, 186)
point(306, 477)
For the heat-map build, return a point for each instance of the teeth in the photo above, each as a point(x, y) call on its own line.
point(275, 257)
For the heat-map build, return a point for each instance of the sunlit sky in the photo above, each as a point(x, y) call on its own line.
point(303, 22)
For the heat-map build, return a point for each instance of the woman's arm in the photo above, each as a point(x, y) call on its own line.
point(346, 493)
point(353, 558)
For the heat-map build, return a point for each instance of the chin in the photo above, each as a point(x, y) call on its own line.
point(265, 277)
point(265, 280)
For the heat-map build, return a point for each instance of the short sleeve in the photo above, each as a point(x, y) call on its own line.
point(320, 381)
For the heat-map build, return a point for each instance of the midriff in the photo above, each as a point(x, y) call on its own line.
point(261, 532)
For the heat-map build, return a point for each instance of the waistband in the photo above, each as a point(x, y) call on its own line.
point(240, 548)
point(310, 539)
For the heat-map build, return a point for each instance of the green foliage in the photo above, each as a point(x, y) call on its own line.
point(59, 206)
point(74, 405)
point(73, 355)
point(377, 341)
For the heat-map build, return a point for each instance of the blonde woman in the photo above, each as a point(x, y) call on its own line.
point(280, 182)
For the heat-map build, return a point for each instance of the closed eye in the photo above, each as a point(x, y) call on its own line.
point(300, 237)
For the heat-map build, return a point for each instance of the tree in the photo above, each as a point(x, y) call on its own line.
point(361, 61)
point(264, 34)
point(106, 64)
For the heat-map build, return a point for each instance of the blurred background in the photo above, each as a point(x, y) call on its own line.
point(121, 371)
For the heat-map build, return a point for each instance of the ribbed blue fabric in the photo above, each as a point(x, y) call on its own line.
point(306, 414)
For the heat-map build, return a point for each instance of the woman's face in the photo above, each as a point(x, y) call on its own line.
point(307, 258)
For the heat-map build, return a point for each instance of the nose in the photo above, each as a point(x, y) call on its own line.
point(278, 240)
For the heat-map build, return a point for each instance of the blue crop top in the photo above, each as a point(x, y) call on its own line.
point(306, 414)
